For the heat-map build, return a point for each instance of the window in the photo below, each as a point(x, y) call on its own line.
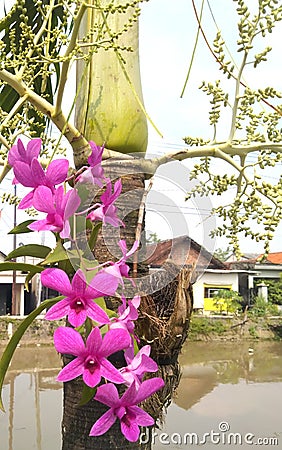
point(211, 292)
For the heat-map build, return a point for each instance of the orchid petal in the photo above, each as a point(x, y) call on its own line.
point(117, 190)
point(114, 340)
point(57, 171)
point(76, 319)
point(32, 149)
point(24, 175)
point(105, 283)
point(37, 172)
point(94, 341)
point(79, 283)
point(21, 150)
point(56, 279)
point(142, 417)
point(130, 429)
point(96, 313)
point(91, 379)
point(136, 301)
point(122, 245)
point(103, 424)
point(69, 341)
point(65, 233)
point(72, 370)
point(43, 200)
point(107, 394)
point(73, 202)
point(13, 155)
point(58, 311)
point(109, 372)
point(27, 201)
point(147, 388)
point(129, 396)
point(133, 248)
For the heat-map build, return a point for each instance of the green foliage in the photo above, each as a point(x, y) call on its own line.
point(261, 308)
point(274, 290)
point(253, 332)
point(230, 299)
point(35, 250)
point(152, 239)
point(32, 35)
point(222, 254)
point(206, 327)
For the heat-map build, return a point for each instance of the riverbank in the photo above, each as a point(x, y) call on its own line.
point(229, 328)
point(202, 328)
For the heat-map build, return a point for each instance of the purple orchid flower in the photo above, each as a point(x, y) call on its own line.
point(138, 366)
point(120, 269)
point(32, 175)
point(59, 208)
point(127, 314)
point(78, 303)
point(91, 359)
point(19, 153)
point(125, 409)
point(95, 174)
point(107, 212)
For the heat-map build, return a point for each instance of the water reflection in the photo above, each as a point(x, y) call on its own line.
point(220, 382)
point(33, 401)
point(226, 383)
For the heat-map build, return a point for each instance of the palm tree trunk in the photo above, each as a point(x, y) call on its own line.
point(109, 105)
point(108, 111)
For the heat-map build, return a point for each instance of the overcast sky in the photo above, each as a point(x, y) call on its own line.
point(167, 35)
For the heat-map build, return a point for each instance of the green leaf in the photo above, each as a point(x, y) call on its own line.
point(87, 394)
point(20, 266)
point(22, 228)
point(12, 344)
point(58, 254)
point(101, 302)
point(94, 235)
point(38, 251)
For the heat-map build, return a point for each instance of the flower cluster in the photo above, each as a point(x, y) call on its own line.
point(95, 333)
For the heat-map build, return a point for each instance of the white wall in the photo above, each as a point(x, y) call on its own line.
point(216, 278)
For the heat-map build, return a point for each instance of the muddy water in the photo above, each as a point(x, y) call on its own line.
point(229, 397)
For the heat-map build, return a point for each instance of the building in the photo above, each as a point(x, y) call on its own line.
point(254, 267)
point(211, 275)
point(25, 300)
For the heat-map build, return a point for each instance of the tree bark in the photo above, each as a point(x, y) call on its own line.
point(163, 322)
point(109, 110)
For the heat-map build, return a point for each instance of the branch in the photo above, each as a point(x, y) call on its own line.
point(77, 141)
point(216, 150)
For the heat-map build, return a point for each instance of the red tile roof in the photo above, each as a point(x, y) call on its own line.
point(274, 258)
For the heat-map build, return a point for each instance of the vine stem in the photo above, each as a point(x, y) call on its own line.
point(193, 53)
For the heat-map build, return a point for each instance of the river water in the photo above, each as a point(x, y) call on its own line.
point(230, 396)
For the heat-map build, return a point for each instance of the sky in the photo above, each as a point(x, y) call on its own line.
point(167, 35)
point(169, 29)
